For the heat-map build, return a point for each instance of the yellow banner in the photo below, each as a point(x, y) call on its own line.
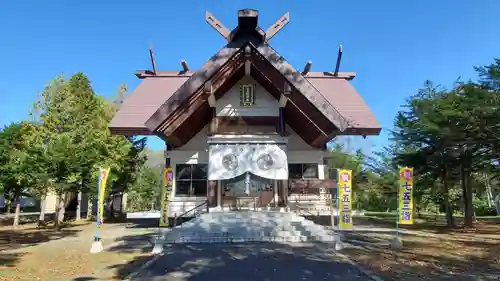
point(165, 196)
point(345, 198)
point(405, 200)
point(103, 178)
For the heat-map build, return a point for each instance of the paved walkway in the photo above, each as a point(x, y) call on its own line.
point(250, 262)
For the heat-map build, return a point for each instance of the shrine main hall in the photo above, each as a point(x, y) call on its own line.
point(247, 130)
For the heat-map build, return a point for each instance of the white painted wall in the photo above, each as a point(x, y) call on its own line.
point(265, 103)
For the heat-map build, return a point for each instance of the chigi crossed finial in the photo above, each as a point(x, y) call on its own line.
point(248, 21)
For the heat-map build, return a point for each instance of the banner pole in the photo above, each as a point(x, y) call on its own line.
point(397, 209)
point(337, 203)
point(162, 199)
point(98, 205)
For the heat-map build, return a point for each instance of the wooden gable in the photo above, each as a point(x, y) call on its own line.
point(310, 115)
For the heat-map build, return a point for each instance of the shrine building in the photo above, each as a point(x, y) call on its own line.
point(247, 130)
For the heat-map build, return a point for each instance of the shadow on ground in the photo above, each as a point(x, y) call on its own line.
point(9, 259)
point(245, 261)
point(425, 258)
point(11, 238)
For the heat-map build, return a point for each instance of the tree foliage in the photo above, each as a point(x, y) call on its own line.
point(64, 143)
point(450, 136)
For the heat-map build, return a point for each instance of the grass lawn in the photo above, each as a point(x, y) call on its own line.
point(431, 250)
point(29, 253)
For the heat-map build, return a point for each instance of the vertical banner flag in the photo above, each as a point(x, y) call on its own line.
point(103, 178)
point(405, 200)
point(165, 196)
point(344, 179)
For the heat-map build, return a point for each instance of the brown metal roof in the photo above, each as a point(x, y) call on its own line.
point(350, 104)
point(143, 102)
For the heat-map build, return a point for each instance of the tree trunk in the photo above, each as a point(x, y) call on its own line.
point(111, 208)
point(79, 206)
point(446, 199)
point(18, 212)
point(450, 221)
point(60, 209)
point(124, 202)
point(89, 207)
point(488, 197)
point(43, 203)
point(489, 192)
point(497, 205)
point(8, 205)
point(467, 193)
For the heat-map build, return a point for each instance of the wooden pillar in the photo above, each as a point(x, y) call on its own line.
point(212, 195)
point(282, 185)
point(281, 122)
point(219, 194)
point(282, 192)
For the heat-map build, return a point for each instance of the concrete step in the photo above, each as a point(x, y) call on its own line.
point(236, 227)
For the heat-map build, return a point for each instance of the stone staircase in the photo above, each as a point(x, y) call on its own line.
point(234, 227)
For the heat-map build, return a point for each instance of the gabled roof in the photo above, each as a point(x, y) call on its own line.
point(333, 94)
point(320, 105)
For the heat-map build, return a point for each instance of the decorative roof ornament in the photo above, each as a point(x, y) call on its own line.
point(247, 25)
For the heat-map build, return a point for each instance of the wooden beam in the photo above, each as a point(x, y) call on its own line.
point(185, 67)
point(307, 68)
point(176, 73)
point(248, 67)
point(182, 113)
point(300, 123)
point(339, 58)
point(283, 100)
point(283, 86)
point(301, 84)
point(217, 25)
point(208, 89)
point(319, 141)
point(277, 26)
point(152, 56)
point(196, 80)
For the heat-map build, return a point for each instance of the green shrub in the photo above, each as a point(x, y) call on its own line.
point(484, 210)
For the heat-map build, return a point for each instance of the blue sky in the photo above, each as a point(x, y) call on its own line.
point(392, 45)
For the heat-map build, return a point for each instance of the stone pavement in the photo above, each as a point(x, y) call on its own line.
point(314, 261)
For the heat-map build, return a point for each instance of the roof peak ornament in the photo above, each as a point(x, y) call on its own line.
point(152, 57)
point(247, 26)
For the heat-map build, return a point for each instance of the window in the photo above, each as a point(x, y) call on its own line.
point(303, 171)
point(332, 173)
point(191, 180)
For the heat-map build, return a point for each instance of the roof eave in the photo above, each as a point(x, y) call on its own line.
point(195, 81)
point(303, 85)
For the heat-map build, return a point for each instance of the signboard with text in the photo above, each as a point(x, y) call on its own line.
point(165, 197)
point(103, 174)
point(345, 199)
point(405, 200)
